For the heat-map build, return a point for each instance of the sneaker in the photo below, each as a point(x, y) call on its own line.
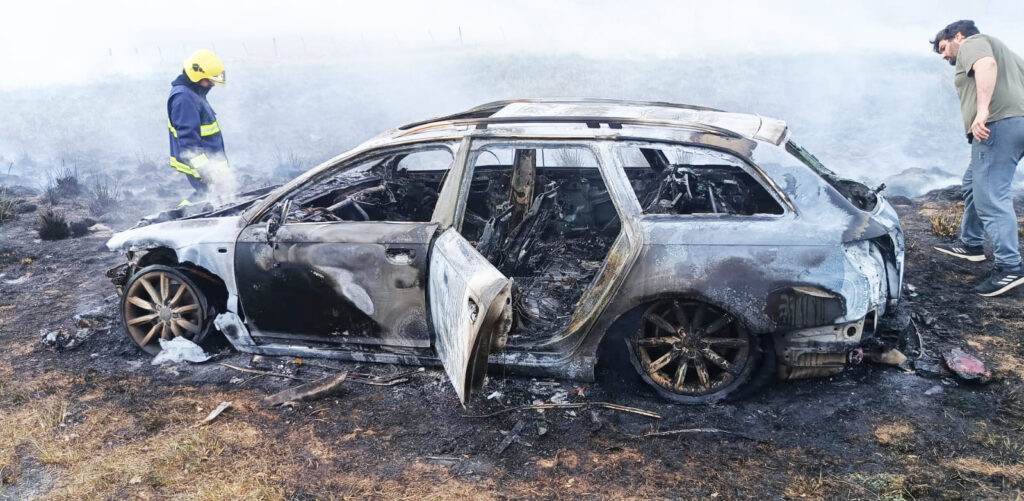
point(962, 251)
point(1000, 281)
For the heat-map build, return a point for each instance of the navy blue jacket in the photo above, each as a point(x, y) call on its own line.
point(193, 129)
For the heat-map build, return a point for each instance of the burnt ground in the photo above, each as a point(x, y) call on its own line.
point(97, 420)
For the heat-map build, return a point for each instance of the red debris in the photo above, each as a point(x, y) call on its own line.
point(967, 366)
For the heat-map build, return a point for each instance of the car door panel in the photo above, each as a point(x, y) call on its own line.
point(471, 310)
point(337, 282)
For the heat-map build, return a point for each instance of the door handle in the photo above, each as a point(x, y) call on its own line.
point(398, 255)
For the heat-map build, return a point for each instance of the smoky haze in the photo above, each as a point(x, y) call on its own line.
point(858, 84)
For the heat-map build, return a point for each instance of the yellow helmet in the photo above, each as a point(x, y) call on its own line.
point(205, 64)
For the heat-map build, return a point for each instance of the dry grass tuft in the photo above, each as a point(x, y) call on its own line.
point(1014, 473)
point(803, 487)
point(899, 434)
point(885, 486)
point(946, 222)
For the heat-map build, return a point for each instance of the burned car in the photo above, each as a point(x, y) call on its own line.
point(533, 236)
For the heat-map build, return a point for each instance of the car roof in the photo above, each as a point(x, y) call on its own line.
point(594, 117)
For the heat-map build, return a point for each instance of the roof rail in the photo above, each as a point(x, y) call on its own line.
point(583, 100)
point(593, 122)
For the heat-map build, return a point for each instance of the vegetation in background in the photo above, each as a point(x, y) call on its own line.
point(53, 225)
point(104, 194)
point(7, 204)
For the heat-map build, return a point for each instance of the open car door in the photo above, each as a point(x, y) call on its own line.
point(470, 309)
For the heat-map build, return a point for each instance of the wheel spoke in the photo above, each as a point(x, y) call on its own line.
point(702, 372)
point(149, 335)
point(718, 324)
point(656, 341)
point(165, 288)
point(698, 317)
point(175, 329)
point(153, 296)
point(189, 326)
point(680, 313)
point(177, 295)
point(193, 307)
point(717, 359)
point(142, 319)
point(680, 374)
point(727, 342)
point(663, 361)
point(661, 323)
point(141, 303)
point(164, 331)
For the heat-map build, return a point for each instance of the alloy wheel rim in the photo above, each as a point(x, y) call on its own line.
point(159, 305)
point(691, 348)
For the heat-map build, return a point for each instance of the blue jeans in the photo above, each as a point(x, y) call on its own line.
point(988, 206)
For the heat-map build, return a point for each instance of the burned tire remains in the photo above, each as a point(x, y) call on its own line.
point(693, 352)
point(161, 302)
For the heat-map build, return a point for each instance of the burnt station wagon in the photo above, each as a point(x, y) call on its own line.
point(534, 235)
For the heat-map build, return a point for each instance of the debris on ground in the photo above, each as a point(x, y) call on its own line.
point(214, 414)
point(308, 391)
point(892, 357)
point(934, 390)
point(930, 368)
point(668, 433)
point(581, 405)
point(967, 366)
point(261, 373)
point(510, 437)
point(57, 340)
point(179, 350)
point(560, 397)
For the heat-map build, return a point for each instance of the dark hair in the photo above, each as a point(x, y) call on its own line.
point(965, 27)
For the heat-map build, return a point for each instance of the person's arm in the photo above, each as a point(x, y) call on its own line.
point(985, 70)
point(185, 119)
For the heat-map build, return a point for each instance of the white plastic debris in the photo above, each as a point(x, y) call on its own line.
point(560, 397)
point(179, 350)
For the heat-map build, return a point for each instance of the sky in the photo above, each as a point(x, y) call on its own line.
point(47, 42)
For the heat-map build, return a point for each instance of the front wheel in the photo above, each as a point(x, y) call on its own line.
point(161, 302)
point(692, 352)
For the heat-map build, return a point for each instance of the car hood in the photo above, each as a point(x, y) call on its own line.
point(178, 234)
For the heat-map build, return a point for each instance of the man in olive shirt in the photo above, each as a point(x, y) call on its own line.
point(989, 79)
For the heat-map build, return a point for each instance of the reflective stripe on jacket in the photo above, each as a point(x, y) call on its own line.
point(192, 127)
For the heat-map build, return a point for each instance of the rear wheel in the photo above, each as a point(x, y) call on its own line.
point(693, 352)
point(161, 302)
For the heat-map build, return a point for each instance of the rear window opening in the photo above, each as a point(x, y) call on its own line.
point(685, 180)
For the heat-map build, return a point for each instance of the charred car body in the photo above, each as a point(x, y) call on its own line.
point(528, 234)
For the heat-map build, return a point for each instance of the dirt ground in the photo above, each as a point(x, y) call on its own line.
point(97, 421)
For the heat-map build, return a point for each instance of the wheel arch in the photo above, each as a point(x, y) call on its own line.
point(212, 285)
point(625, 317)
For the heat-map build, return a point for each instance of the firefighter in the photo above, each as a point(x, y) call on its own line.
point(197, 147)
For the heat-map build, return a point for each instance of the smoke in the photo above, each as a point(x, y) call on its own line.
point(221, 182)
point(857, 83)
